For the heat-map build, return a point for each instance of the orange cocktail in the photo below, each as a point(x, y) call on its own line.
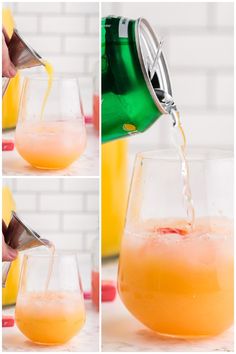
point(179, 282)
point(50, 132)
point(50, 318)
point(50, 144)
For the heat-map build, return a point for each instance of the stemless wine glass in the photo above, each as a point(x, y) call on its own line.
point(175, 280)
point(50, 132)
point(50, 307)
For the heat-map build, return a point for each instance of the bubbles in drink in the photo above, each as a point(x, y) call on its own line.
point(161, 268)
point(51, 318)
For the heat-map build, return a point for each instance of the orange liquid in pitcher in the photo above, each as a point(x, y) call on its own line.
point(179, 282)
point(49, 144)
point(50, 318)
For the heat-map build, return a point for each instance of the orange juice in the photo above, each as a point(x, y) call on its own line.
point(179, 284)
point(50, 317)
point(50, 144)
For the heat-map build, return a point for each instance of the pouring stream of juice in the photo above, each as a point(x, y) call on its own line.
point(179, 140)
point(51, 249)
point(49, 70)
point(180, 143)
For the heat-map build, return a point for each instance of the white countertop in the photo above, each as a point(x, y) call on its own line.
point(121, 332)
point(87, 340)
point(87, 165)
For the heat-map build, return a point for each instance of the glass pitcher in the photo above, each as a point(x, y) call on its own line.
point(9, 293)
point(114, 195)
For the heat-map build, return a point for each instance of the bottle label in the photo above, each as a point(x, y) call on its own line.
point(123, 27)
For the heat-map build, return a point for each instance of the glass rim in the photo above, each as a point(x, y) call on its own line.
point(44, 77)
point(194, 154)
point(34, 253)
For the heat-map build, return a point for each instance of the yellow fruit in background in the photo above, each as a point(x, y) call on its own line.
point(9, 293)
point(114, 195)
point(11, 98)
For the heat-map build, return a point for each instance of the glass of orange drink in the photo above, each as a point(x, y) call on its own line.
point(176, 278)
point(50, 132)
point(50, 307)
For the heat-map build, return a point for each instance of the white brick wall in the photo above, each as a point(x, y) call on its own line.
point(63, 25)
point(39, 8)
point(64, 210)
point(81, 8)
point(64, 33)
point(201, 50)
point(198, 43)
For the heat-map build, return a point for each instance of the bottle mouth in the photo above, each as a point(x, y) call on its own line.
point(153, 65)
